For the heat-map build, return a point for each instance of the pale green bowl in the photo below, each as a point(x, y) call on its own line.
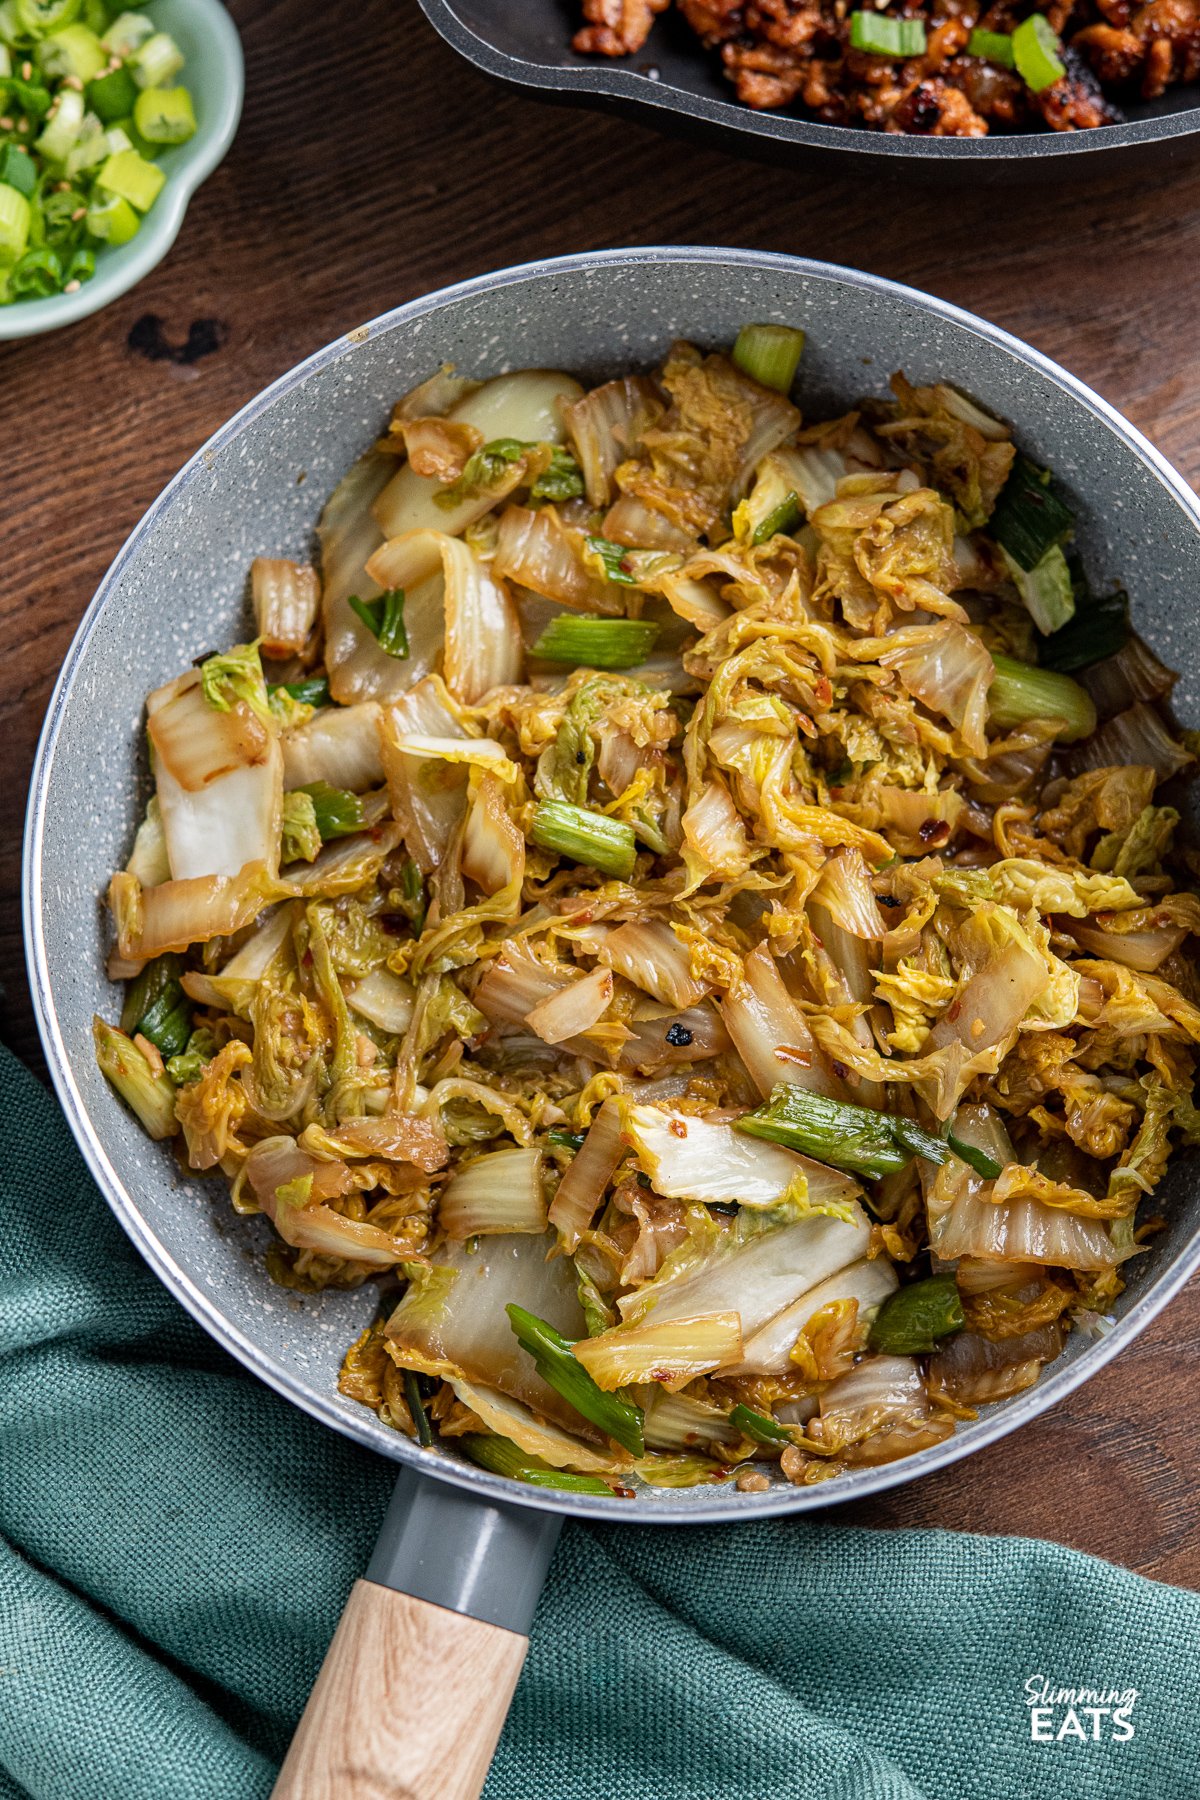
point(214, 72)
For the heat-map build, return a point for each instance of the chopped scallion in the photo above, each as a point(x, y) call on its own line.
point(609, 559)
point(856, 1138)
point(1090, 636)
point(552, 1354)
point(1036, 47)
point(758, 1427)
point(914, 1320)
point(337, 812)
point(589, 641)
point(1029, 518)
point(1020, 692)
point(165, 115)
point(781, 519)
point(562, 480)
point(157, 1007)
point(993, 46)
point(412, 1395)
point(313, 692)
point(586, 837)
point(882, 35)
point(384, 619)
point(769, 354)
point(566, 1140)
point(502, 1457)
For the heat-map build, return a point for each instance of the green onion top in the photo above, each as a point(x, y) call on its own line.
point(503, 1458)
point(586, 837)
point(1036, 47)
point(552, 1354)
point(384, 619)
point(337, 812)
point(758, 1427)
point(1029, 518)
point(611, 558)
point(915, 1319)
point(588, 640)
point(855, 1138)
point(883, 35)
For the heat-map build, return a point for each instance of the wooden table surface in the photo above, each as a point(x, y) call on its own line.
point(371, 166)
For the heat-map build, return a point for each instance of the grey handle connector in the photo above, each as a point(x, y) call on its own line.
point(474, 1556)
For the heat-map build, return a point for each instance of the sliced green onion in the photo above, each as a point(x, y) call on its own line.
point(1091, 636)
point(758, 1427)
point(555, 1363)
point(156, 62)
point(190, 1064)
point(337, 811)
point(412, 1395)
point(779, 521)
point(912, 1321)
point(165, 115)
point(157, 1007)
point(64, 122)
point(1036, 47)
point(993, 46)
point(18, 169)
point(502, 1457)
point(848, 1137)
point(610, 558)
point(37, 275)
point(566, 1140)
point(132, 178)
point(1021, 692)
point(112, 220)
point(28, 97)
point(127, 33)
point(1029, 518)
point(112, 96)
point(769, 354)
point(979, 1160)
point(313, 692)
point(42, 16)
point(384, 619)
point(15, 217)
point(589, 641)
point(856, 1138)
point(72, 51)
point(586, 837)
point(563, 480)
point(884, 36)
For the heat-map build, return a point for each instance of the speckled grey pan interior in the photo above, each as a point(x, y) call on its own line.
point(178, 589)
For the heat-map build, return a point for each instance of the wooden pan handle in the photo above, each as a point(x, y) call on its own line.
point(409, 1704)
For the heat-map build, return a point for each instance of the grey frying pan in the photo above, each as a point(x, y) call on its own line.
point(447, 1600)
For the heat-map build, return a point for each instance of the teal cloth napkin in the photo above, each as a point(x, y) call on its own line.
point(177, 1544)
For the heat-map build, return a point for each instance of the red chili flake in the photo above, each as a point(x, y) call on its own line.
point(953, 1010)
point(624, 1493)
point(841, 1071)
point(677, 1128)
point(823, 692)
point(802, 1057)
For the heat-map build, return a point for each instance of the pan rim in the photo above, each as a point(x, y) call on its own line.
point(723, 1507)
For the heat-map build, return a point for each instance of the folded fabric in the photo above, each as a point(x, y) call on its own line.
point(177, 1543)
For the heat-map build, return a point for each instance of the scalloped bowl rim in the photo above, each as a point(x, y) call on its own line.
point(161, 226)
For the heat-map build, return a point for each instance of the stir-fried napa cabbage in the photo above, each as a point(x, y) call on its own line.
point(657, 897)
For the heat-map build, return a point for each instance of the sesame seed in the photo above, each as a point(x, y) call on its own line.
point(22, 124)
point(63, 187)
point(73, 81)
point(27, 71)
point(79, 213)
point(6, 123)
point(72, 287)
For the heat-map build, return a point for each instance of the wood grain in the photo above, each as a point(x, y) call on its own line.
point(409, 1704)
point(372, 165)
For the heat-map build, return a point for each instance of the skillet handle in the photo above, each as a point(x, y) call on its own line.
point(416, 1685)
